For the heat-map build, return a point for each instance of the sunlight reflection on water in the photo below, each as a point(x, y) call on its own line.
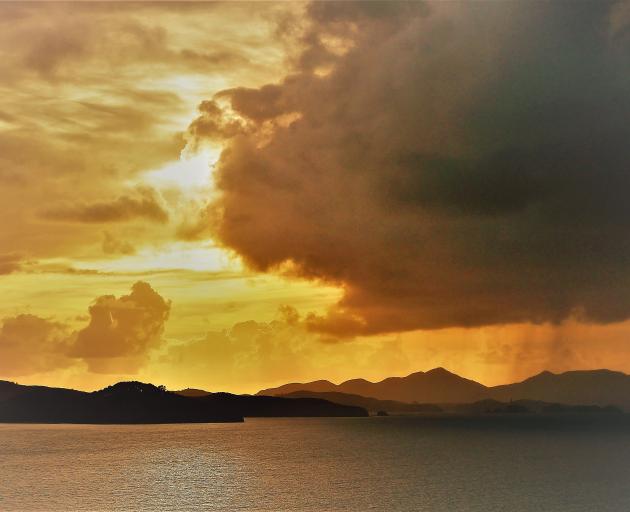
point(352, 464)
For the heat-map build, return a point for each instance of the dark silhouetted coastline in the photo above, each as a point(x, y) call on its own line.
point(136, 402)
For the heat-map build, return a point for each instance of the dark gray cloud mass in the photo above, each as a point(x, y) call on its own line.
point(449, 164)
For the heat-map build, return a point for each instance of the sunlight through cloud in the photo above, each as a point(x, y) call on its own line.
point(190, 172)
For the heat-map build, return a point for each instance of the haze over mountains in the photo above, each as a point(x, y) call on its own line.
point(439, 386)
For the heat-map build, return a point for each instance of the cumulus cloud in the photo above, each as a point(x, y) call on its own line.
point(214, 123)
point(121, 333)
point(122, 330)
point(30, 344)
point(447, 164)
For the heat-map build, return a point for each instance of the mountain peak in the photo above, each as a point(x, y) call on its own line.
point(439, 371)
point(316, 385)
point(440, 386)
point(356, 381)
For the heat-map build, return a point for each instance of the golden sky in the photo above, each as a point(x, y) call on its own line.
point(231, 196)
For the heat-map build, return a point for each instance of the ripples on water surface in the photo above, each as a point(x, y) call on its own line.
point(352, 464)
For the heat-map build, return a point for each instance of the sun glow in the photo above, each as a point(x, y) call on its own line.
point(189, 173)
point(195, 256)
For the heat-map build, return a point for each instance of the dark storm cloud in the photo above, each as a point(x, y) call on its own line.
point(449, 164)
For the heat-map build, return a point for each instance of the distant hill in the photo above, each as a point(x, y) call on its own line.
point(371, 404)
point(490, 406)
point(136, 402)
point(486, 406)
point(317, 386)
point(435, 386)
point(302, 404)
point(439, 386)
point(594, 387)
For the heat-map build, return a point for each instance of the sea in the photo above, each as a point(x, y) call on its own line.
point(431, 464)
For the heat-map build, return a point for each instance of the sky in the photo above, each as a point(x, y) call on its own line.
point(231, 196)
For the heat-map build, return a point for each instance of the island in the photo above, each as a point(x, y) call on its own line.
point(137, 402)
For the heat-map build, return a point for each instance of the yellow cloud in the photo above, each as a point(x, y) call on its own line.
point(122, 330)
point(94, 100)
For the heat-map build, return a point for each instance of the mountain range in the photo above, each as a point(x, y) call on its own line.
point(439, 386)
point(434, 391)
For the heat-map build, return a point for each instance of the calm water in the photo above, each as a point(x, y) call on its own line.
point(352, 464)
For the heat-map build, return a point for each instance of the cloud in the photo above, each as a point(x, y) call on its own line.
point(10, 263)
point(122, 330)
point(447, 164)
point(214, 123)
point(251, 355)
point(118, 339)
point(111, 35)
point(30, 344)
point(122, 209)
point(95, 95)
point(113, 245)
